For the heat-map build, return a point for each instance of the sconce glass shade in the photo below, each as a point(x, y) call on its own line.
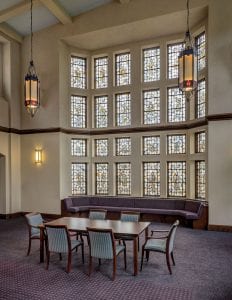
point(187, 70)
point(38, 156)
point(32, 90)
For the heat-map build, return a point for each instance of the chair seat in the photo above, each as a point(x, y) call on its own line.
point(35, 235)
point(75, 243)
point(119, 248)
point(156, 245)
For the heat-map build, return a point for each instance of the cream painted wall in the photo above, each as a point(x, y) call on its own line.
point(41, 183)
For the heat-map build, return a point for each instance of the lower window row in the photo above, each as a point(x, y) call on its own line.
point(176, 179)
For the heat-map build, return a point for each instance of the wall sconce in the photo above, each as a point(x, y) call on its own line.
point(38, 156)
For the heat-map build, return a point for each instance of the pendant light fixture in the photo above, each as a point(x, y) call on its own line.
point(31, 83)
point(187, 61)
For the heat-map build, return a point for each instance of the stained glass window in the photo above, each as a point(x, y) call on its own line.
point(173, 53)
point(123, 146)
point(79, 178)
point(123, 69)
point(101, 175)
point(78, 111)
point(176, 143)
point(176, 105)
point(151, 107)
point(200, 99)
point(177, 179)
point(151, 145)
point(101, 111)
point(151, 178)
point(101, 72)
point(79, 147)
point(101, 147)
point(200, 179)
point(200, 142)
point(123, 109)
point(123, 178)
point(78, 72)
point(201, 51)
point(151, 64)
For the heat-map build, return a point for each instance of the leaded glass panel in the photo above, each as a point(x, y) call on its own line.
point(79, 147)
point(201, 103)
point(201, 51)
point(151, 107)
point(78, 111)
point(101, 176)
point(123, 69)
point(151, 145)
point(151, 64)
point(200, 142)
point(101, 147)
point(173, 53)
point(176, 105)
point(200, 179)
point(79, 178)
point(123, 178)
point(101, 111)
point(123, 109)
point(123, 146)
point(151, 178)
point(176, 144)
point(78, 72)
point(177, 179)
point(101, 72)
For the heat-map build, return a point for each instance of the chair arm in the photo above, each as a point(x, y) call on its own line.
point(156, 231)
point(157, 238)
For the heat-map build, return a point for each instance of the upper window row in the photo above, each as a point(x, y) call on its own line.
point(151, 65)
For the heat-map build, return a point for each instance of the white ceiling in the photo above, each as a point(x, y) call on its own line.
point(42, 17)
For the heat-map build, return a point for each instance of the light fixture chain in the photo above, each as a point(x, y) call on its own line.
point(188, 15)
point(31, 31)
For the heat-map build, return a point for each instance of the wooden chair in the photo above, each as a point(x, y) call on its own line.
point(58, 241)
point(103, 246)
point(33, 220)
point(163, 244)
point(129, 216)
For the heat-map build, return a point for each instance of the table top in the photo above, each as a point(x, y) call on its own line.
point(118, 227)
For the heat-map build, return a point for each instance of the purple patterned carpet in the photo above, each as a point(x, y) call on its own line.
point(202, 271)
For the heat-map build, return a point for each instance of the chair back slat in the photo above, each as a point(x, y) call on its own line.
point(171, 236)
point(97, 214)
point(57, 238)
point(101, 243)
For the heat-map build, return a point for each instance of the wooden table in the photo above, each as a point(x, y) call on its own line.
point(132, 229)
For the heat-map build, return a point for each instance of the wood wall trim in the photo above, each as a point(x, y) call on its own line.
point(220, 117)
point(10, 216)
point(224, 228)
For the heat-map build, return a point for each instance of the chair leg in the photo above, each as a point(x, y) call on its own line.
point(114, 267)
point(82, 253)
point(168, 263)
point(173, 259)
point(90, 265)
point(141, 266)
point(60, 255)
point(29, 247)
point(138, 243)
point(69, 261)
point(125, 264)
point(99, 261)
point(48, 259)
point(147, 255)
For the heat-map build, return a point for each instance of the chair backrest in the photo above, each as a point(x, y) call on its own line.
point(34, 219)
point(97, 214)
point(101, 243)
point(130, 216)
point(58, 238)
point(171, 236)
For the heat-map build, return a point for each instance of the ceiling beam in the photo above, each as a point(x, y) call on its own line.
point(17, 9)
point(10, 33)
point(58, 11)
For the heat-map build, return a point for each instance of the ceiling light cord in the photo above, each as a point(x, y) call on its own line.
point(31, 32)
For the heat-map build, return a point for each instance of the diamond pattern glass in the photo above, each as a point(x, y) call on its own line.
point(78, 111)
point(123, 69)
point(177, 179)
point(79, 178)
point(176, 105)
point(101, 72)
point(151, 178)
point(151, 107)
point(151, 64)
point(123, 178)
point(78, 72)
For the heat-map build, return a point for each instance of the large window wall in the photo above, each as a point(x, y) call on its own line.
point(141, 139)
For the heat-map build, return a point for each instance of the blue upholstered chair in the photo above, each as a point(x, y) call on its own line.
point(97, 214)
point(58, 241)
point(103, 246)
point(163, 244)
point(129, 216)
point(33, 221)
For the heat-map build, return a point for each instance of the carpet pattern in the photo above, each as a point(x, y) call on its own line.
point(202, 271)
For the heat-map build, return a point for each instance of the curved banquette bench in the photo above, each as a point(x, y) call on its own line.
point(191, 212)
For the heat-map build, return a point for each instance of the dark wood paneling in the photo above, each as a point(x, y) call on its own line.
point(224, 228)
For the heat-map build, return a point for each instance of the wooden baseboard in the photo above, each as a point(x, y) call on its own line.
point(10, 216)
point(224, 228)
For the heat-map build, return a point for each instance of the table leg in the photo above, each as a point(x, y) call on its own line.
point(41, 245)
point(135, 249)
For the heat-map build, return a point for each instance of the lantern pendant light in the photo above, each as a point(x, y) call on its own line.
point(31, 83)
point(187, 61)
